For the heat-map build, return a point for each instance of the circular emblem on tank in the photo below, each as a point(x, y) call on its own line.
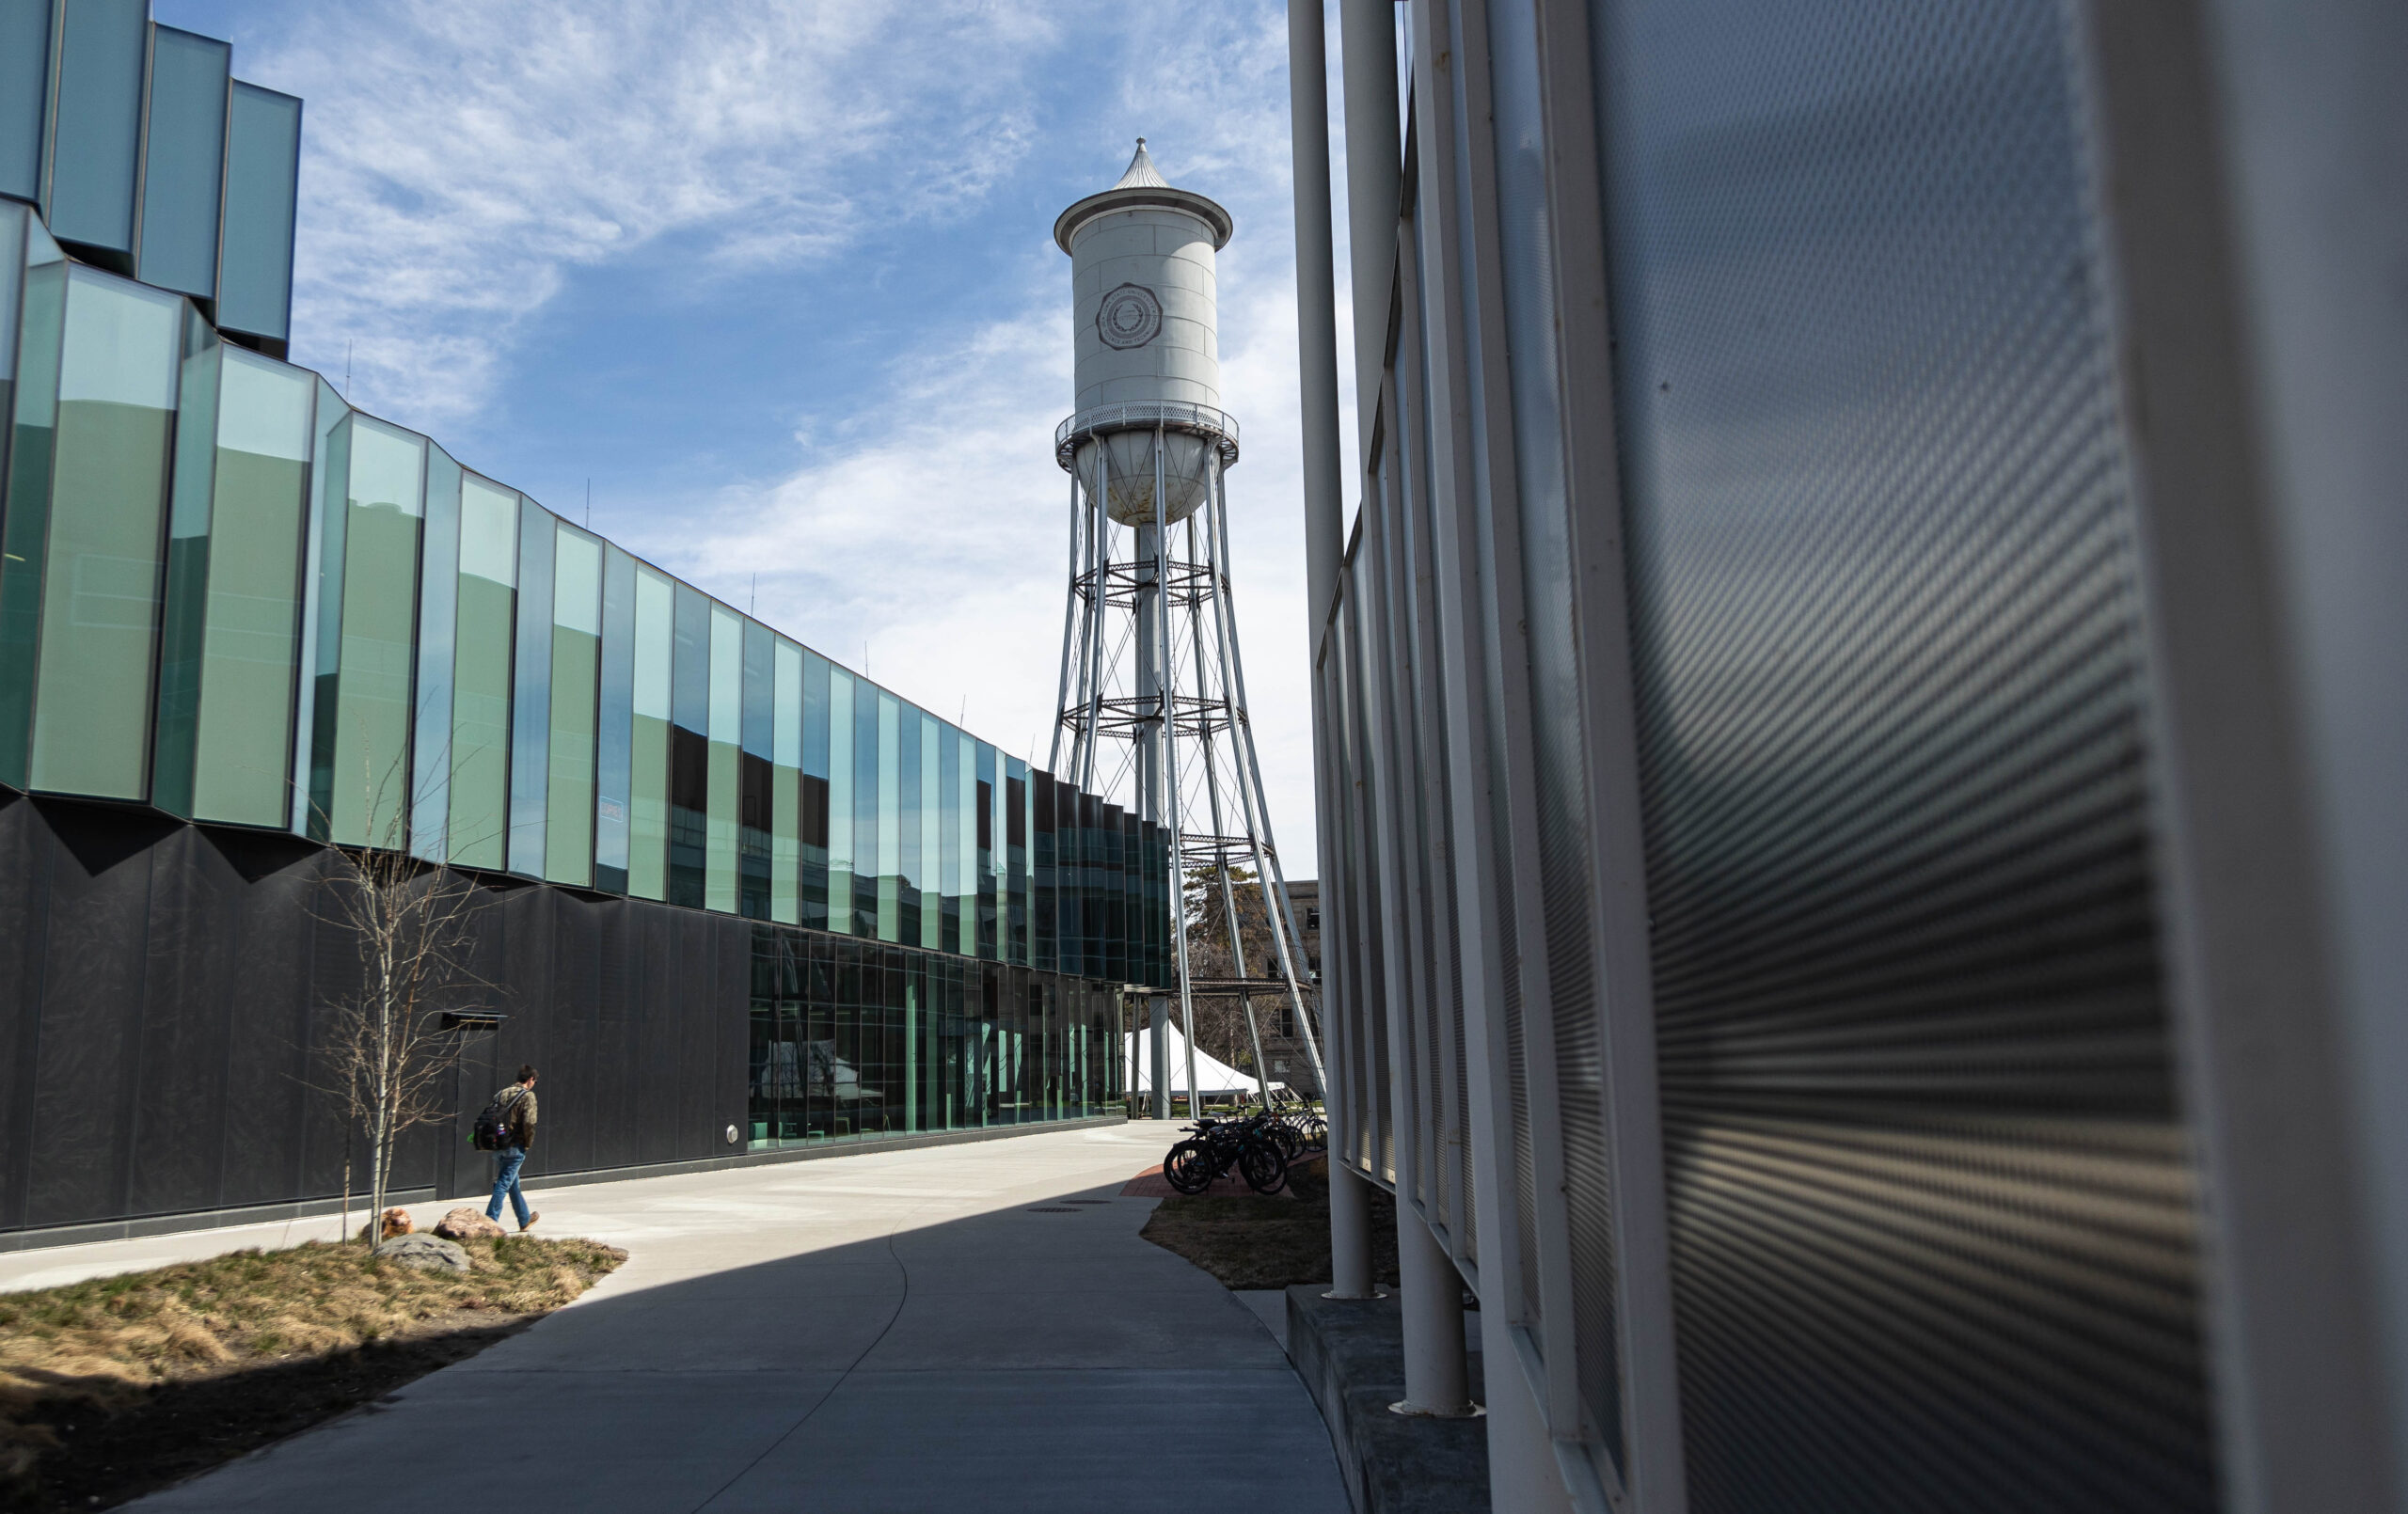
point(1130, 316)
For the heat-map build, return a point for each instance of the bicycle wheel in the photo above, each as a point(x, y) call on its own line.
point(1283, 1135)
point(1190, 1167)
point(1265, 1170)
point(1316, 1133)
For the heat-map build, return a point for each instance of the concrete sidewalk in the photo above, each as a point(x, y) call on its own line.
point(931, 1330)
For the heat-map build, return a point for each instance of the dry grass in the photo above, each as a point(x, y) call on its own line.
point(1268, 1243)
point(106, 1347)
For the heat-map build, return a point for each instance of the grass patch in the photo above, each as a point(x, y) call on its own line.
point(116, 1386)
point(1268, 1243)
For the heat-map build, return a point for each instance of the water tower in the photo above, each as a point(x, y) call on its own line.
point(1153, 701)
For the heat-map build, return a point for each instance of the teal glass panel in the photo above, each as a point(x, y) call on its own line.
point(486, 615)
point(314, 756)
point(185, 603)
point(648, 813)
point(438, 619)
point(754, 769)
point(373, 709)
point(866, 853)
point(25, 95)
point(911, 880)
point(726, 747)
point(97, 123)
point(785, 786)
point(929, 871)
point(101, 574)
point(890, 822)
point(690, 757)
point(183, 161)
point(263, 175)
point(251, 648)
point(530, 689)
point(576, 677)
point(814, 887)
point(615, 732)
point(841, 815)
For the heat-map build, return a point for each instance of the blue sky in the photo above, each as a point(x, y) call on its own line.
point(778, 280)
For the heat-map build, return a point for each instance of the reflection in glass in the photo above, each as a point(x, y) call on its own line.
point(438, 604)
point(785, 788)
point(867, 856)
point(929, 872)
point(840, 800)
point(813, 886)
point(369, 778)
point(648, 807)
point(250, 648)
point(487, 611)
point(726, 744)
point(100, 594)
point(754, 818)
point(615, 732)
point(184, 601)
point(577, 669)
point(530, 689)
point(96, 123)
point(262, 176)
point(184, 164)
point(889, 817)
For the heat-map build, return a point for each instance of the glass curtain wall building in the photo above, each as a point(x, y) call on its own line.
point(1843, 921)
point(230, 599)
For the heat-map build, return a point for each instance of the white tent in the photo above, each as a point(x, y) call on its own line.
point(1215, 1077)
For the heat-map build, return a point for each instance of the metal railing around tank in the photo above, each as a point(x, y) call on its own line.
point(1145, 414)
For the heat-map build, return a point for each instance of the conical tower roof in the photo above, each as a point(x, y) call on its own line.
point(1143, 185)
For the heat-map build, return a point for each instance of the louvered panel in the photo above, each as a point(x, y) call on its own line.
point(1934, 1227)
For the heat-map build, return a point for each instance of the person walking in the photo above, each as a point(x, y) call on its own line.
point(519, 1099)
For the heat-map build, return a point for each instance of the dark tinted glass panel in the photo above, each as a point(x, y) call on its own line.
point(531, 688)
point(263, 166)
point(785, 786)
point(841, 860)
point(98, 123)
point(183, 161)
point(755, 819)
point(815, 820)
point(727, 759)
point(1892, 731)
point(690, 778)
point(24, 87)
point(868, 851)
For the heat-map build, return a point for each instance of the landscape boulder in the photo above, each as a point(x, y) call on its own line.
point(465, 1224)
point(424, 1251)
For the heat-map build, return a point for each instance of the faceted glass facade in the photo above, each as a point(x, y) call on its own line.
point(230, 597)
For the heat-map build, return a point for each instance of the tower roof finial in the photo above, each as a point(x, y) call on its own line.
point(1142, 173)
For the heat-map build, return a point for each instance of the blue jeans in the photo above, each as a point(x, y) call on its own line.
point(505, 1180)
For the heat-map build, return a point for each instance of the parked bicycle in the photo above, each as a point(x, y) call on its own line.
point(1216, 1147)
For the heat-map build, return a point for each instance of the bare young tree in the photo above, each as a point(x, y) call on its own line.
point(394, 1037)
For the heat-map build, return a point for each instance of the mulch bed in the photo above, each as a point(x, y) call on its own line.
point(1248, 1243)
point(120, 1386)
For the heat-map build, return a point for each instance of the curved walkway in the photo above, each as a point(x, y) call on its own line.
point(972, 1327)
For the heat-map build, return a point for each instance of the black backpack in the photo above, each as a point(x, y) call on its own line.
point(492, 1130)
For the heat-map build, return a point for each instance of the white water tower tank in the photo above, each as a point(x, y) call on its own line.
point(1145, 325)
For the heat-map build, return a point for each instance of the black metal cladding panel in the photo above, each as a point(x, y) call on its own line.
point(1934, 1240)
point(266, 1051)
point(23, 907)
point(189, 990)
point(578, 1051)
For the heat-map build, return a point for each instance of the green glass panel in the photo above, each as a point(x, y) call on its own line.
point(438, 625)
point(785, 788)
point(615, 735)
point(182, 614)
point(726, 744)
point(321, 613)
point(116, 398)
point(487, 611)
point(251, 648)
point(372, 734)
point(840, 800)
point(531, 688)
point(33, 431)
point(931, 861)
point(890, 820)
point(576, 667)
point(648, 762)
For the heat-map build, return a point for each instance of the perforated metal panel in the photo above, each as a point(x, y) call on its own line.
point(1933, 1229)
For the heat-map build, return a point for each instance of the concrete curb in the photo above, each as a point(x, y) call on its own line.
point(1351, 1355)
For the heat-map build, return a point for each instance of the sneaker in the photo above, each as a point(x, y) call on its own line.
point(530, 1223)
